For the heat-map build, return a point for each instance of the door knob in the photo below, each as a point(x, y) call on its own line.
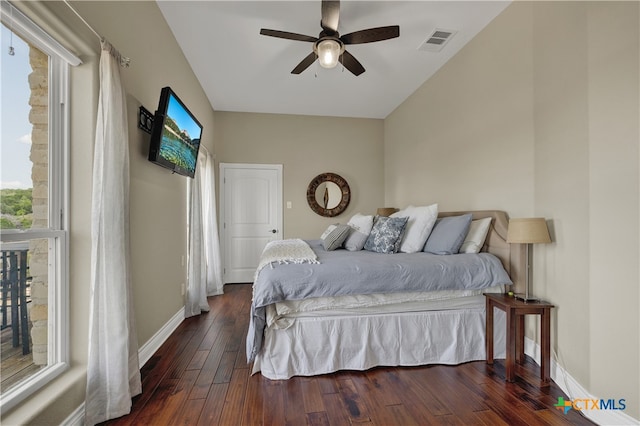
point(273, 231)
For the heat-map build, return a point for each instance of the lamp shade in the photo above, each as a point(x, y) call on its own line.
point(528, 231)
point(386, 211)
point(328, 53)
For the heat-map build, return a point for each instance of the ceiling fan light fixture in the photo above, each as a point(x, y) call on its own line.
point(328, 51)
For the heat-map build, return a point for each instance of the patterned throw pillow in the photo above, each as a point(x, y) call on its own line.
point(334, 236)
point(386, 234)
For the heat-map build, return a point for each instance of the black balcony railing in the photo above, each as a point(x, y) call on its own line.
point(15, 293)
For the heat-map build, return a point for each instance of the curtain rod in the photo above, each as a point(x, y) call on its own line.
point(83, 20)
point(124, 60)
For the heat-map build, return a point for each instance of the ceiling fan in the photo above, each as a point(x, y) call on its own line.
point(329, 46)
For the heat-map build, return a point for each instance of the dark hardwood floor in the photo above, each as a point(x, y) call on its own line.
point(200, 376)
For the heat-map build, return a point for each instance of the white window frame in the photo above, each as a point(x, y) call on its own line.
point(57, 233)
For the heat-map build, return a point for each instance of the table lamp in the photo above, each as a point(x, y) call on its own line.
point(528, 231)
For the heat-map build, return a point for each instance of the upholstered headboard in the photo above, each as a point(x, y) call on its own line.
point(512, 256)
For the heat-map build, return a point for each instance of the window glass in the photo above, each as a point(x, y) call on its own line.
point(24, 174)
point(33, 239)
point(24, 310)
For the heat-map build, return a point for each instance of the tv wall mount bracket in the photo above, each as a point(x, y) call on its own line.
point(145, 120)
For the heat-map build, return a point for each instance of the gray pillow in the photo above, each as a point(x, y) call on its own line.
point(361, 228)
point(448, 234)
point(334, 236)
point(355, 241)
point(386, 234)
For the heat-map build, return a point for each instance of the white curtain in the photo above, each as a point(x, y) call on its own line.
point(212, 246)
point(113, 373)
point(204, 273)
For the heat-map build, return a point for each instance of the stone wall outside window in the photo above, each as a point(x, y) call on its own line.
point(38, 249)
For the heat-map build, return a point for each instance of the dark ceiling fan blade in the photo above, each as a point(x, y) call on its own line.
point(351, 63)
point(372, 34)
point(305, 63)
point(330, 16)
point(288, 35)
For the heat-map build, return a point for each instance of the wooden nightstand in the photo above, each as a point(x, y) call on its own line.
point(516, 311)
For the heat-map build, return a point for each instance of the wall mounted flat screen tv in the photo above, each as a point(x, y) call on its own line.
point(175, 137)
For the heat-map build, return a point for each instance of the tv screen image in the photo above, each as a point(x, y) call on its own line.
point(175, 138)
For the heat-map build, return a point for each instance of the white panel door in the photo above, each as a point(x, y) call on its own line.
point(251, 207)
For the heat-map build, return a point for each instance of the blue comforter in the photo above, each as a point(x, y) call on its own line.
point(342, 272)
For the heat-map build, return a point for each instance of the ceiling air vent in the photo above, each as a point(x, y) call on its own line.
point(436, 41)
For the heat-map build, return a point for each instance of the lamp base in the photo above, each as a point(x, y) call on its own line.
point(526, 298)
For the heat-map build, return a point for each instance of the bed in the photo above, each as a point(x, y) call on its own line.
point(317, 329)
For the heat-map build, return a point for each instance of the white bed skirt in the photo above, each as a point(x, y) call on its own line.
point(324, 344)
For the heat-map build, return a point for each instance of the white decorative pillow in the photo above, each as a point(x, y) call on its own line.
point(474, 240)
point(334, 236)
point(419, 226)
point(360, 229)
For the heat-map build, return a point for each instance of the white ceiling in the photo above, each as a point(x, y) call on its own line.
point(241, 70)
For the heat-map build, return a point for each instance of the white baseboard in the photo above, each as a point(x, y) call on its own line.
point(146, 351)
point(574, 390)
point(76, 418)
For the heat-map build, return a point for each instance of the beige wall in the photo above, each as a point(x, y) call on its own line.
point(307, 146)
point(561, 177)
point(516, 121)
point(539, 115)
point(157, 203)
point(471, 125)
point(157, 197)
point(614, 197)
